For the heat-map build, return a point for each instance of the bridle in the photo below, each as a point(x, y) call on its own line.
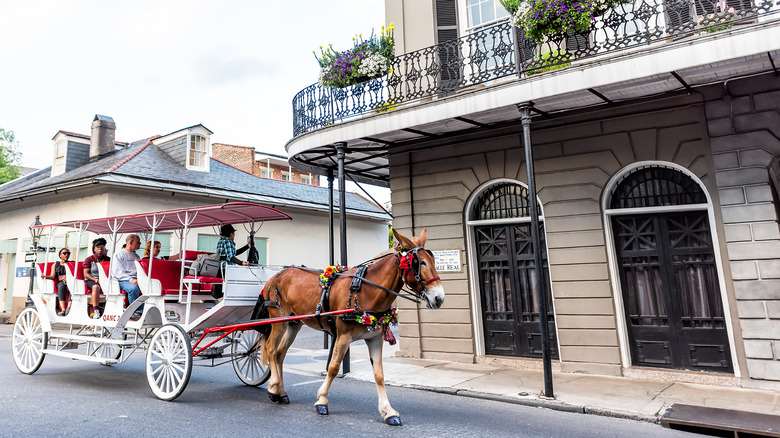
point(409, 263)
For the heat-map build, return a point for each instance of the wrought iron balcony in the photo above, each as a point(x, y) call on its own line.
point(499, 51)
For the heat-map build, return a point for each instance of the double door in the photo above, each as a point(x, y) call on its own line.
point(671, 293)
point(508, 290)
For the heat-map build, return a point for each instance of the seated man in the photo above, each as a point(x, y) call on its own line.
point(123, 269)
point(226, 247)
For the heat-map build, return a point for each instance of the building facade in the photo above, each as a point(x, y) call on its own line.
point(655, 161)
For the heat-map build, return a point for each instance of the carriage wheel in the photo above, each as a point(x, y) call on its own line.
point(169, 362)
point(29, 340)
point(107, 351)
point(246, 349)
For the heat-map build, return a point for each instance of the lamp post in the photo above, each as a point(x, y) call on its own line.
point(35, 234)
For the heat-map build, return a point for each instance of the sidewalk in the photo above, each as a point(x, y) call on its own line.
point(642, 400)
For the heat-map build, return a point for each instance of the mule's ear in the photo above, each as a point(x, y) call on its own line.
point(403, 242)
point(422, 237)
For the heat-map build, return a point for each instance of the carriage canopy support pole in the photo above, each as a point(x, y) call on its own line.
point(525, 116)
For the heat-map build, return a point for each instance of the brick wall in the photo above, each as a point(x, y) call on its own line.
point(744, 126)
point(241, 157)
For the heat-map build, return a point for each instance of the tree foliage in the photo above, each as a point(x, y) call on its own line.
point(9, 156)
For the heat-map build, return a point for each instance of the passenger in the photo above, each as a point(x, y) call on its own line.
point(92, 274)
point(123, 269)
point(156, 255)
point(226, 247)
point(58, 275)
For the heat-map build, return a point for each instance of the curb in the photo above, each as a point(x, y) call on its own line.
point(536, 403)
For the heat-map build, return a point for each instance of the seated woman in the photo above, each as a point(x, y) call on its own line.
point(157, 248)
point(58, 274)
point(92, 275)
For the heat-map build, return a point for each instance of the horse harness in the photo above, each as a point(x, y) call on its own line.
point(408, 261)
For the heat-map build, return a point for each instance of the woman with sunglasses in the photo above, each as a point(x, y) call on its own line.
point(58, 275)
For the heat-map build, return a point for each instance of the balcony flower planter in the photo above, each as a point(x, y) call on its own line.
point(718, 21)
point(540, 19)
point(366, 60)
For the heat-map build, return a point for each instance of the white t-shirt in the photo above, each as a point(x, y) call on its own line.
point(123, 266)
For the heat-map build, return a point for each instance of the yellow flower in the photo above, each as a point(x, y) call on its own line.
point(320, 47)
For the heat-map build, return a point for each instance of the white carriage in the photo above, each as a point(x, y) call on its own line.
point(179, 314)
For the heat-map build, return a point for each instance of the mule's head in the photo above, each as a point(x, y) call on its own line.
point(419, 269)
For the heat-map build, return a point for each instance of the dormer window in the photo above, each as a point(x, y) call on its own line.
point(60, 149)
point(198, 152)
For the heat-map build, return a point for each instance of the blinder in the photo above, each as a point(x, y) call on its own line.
point(414, 267)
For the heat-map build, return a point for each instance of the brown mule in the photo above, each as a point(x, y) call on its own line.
point(297, 292)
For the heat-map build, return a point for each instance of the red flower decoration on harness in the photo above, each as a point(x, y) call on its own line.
point(405, 261)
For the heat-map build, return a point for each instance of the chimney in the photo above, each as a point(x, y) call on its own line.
point(102, 141)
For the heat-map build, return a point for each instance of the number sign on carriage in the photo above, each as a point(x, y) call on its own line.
point(447, 260)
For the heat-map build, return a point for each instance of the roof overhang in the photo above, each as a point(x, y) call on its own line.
point(636, 73)
point(126, 182)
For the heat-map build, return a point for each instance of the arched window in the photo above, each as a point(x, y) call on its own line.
point(502, 201)
point(656, 186)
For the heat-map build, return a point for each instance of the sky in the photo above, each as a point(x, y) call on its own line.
point(159, 66)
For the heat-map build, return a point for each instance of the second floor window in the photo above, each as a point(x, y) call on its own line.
point(198, 151)
point(264, 173)
point(306, 179)
point(482, 12)
point(285, 176)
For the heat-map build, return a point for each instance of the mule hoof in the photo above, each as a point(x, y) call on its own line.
point(322, 409)
point(282, 400)
point(393, 421)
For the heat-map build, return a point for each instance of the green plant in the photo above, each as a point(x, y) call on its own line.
point(718, 21)
point(538, 19)
point(550, 61)
point(367, 59)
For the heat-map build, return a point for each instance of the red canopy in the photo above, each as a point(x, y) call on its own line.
point(195, 217)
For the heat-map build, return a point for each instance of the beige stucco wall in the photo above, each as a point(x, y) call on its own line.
point(574, 162)
point(302, 241)
point(413, 21)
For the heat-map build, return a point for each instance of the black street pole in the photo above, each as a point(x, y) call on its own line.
point(341, 150)
point(331, 248)
point(525, 115)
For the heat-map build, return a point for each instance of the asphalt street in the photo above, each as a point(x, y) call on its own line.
point(71, 398)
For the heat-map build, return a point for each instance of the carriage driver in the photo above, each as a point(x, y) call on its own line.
point(226, 247)
point(123, 269)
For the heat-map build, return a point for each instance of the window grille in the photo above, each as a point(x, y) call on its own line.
point(656, 186)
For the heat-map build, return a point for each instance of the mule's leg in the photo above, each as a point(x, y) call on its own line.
point(285, 340)
point(340, 346)
point(390, 415)
point(272, 348)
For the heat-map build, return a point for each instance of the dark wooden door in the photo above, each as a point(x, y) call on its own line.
point(671, 294)
point(510, 309)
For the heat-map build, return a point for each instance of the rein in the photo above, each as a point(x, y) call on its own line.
point(415, 299)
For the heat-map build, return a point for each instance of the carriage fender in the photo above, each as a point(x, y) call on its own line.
point(40, 306)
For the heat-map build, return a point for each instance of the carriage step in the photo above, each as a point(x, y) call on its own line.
point(720, 422)
point(79, 356)
point(93, 339)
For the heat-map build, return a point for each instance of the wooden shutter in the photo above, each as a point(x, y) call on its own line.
point(448, 54)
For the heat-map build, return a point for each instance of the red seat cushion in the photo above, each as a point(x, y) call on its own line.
point(168, 272)
point(205, 279)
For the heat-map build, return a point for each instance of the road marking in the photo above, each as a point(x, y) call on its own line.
point(308, 382)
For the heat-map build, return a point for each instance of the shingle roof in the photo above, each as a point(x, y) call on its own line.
point(145, 161)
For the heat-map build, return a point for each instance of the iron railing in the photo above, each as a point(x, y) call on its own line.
point(500, 50)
